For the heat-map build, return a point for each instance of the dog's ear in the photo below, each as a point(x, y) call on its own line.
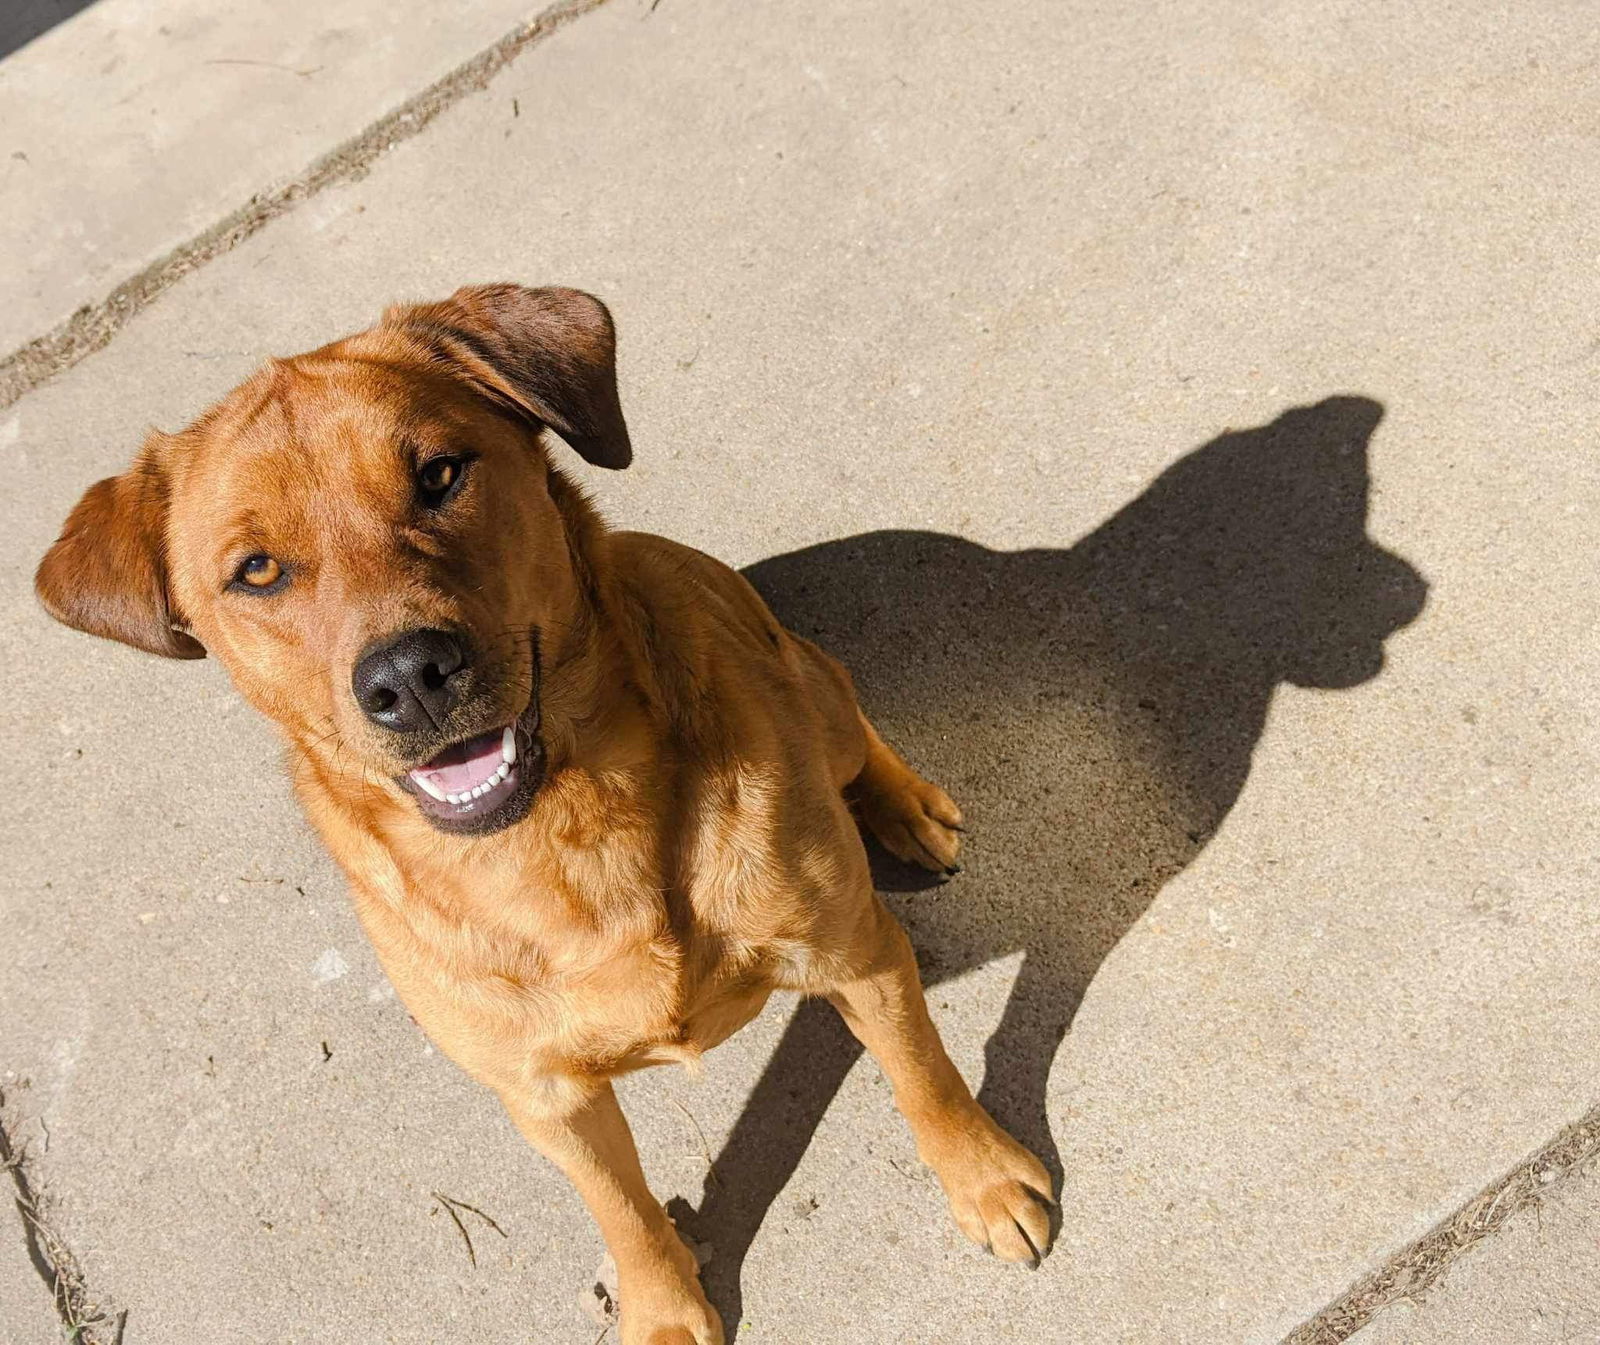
point(547, 354)
point(107, 573)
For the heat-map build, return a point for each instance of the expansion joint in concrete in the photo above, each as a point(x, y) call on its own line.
point(82, 1319)
point(1415, 1268)
point(94, 325)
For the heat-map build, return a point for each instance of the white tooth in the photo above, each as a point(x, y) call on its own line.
point(505, 770)
point(508, 744)
point(452, 798)
point(429, 788)
point(476, 791)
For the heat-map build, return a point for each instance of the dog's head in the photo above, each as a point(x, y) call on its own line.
point(372, 541)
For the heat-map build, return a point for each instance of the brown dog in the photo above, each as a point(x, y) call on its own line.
point(594, 803)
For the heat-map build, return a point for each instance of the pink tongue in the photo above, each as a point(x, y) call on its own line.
point(464, 766)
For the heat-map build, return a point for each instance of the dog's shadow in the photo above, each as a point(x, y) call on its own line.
point(1093, 711)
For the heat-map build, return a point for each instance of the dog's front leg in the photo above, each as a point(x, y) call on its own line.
point(581, 1129)
point(997, 1189)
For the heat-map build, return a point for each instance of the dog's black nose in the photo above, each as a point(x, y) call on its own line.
point(411, 683)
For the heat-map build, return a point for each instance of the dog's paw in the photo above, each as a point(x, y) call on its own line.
point(999, 1193)
point(681, 1335)
point(668, 1315)
point(916, 821)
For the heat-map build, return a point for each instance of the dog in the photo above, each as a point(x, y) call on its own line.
point(593, 802)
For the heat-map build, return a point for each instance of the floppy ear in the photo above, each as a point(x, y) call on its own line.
point(548, 354)
point(107, 573)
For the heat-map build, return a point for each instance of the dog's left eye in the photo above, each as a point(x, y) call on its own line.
point(438, 479)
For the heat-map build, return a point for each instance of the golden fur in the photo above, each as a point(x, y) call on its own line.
point(692, 844)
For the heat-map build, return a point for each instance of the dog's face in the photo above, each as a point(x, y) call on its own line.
point(369, 538)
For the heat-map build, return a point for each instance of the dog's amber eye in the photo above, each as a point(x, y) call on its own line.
point(438, 478)
point(259, 572)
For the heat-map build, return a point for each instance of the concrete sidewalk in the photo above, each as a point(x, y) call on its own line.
point(976, 335)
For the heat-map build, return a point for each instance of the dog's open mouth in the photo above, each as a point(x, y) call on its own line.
point(487, 782)
point(481, 784)
point(472, 774)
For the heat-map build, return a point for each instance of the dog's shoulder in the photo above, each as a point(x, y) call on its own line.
point(696, 594)
point(718, 651)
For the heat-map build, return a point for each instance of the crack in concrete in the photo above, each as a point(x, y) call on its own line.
point(1410, 1273)
point(84, 1321)
point(94, 325)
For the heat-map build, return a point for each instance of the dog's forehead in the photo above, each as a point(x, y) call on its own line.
point(324, 422)
point(319, 446)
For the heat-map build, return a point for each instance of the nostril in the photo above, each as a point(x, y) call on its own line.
point(410, 681)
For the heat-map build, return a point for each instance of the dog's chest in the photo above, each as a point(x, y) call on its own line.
point(585, 955)
point(535, 983)
point(716, 931)
point(665, 999)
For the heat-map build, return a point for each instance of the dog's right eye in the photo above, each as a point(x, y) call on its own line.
point(440, 478)
point(259, 574)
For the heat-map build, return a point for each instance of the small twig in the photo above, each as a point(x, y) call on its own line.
point(911, 1174)
point(461, 1228)
point(267, 65)
point(451, 1205)
point(705, 1149)
point(461, 1204)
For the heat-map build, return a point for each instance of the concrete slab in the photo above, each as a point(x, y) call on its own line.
point(1320, 919)
point(1537, 1280)
point(134, 125)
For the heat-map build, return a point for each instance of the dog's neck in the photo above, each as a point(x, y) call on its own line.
point(598, 675)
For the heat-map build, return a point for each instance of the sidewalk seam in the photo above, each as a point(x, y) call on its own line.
point(84, 1320)
point(1413, 1270)
point(94, 325)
